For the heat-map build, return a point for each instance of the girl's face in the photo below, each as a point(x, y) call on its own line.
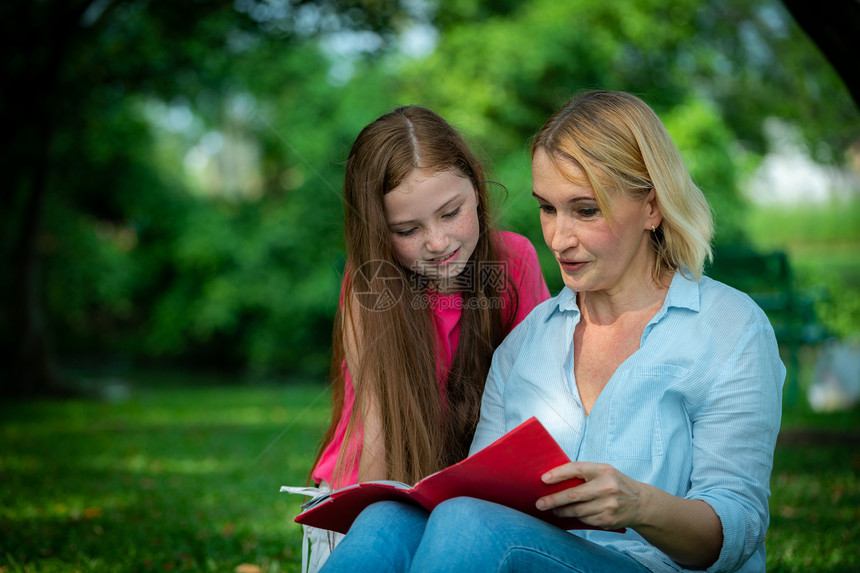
point(433, 221)
point(592, 255)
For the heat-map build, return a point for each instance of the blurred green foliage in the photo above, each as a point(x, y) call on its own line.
point(195, 158)
point(823, 241)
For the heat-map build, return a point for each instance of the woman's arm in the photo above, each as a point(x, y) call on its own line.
point(687, 530)
point(492, 423)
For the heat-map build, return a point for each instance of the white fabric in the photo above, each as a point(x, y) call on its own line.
point(317, 544)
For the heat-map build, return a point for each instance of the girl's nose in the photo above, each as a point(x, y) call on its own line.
point(437, 240)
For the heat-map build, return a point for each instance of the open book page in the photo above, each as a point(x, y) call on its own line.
point(319, 495)
point(336, 510)
point(506, 472)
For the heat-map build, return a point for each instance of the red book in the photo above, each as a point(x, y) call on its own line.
point(506, 472)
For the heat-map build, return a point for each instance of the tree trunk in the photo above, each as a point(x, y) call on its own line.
point(45, 32)
point(33, 367)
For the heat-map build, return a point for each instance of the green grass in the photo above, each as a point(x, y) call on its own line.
point(173, 479)
point(185, 478)
point(815, 502)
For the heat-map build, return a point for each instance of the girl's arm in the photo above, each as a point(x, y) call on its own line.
point(372, 462)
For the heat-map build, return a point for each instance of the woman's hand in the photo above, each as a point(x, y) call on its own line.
point(608, 499)
point(687, 530)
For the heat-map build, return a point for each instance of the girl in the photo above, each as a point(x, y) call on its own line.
point(429, 291)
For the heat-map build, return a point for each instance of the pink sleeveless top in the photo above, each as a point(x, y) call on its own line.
point(525, 273)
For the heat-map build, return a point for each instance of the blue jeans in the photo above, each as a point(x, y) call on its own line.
point(466, 534)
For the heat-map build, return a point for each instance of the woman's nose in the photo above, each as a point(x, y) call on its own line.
point(564, 234)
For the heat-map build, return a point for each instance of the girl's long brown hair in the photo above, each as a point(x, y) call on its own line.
point(398, 357)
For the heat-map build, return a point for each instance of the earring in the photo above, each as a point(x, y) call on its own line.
point(653, 230)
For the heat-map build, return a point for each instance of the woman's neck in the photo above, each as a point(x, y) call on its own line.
point(607, 307)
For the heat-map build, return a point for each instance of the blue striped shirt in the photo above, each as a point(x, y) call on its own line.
point(694, 411)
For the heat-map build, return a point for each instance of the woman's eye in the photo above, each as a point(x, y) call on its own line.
point(548, 209)
point(588, 213)
point(451, 214)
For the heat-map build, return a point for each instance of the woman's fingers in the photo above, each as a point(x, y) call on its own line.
point(607, 498)
point(578, 472)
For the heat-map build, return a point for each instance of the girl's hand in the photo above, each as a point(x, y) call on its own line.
point(608, 499)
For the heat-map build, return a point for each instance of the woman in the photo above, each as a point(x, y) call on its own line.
point(663, 386)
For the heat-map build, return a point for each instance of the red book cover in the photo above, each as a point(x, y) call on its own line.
point(506, 472)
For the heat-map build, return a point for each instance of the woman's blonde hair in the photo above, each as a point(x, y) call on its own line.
point(618, 141)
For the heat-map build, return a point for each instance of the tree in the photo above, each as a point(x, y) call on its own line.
point(502, 69)
point(114, 249)
point(69, 59)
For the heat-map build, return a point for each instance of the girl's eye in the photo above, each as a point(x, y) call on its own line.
point(548, 209)
point(405, 233)
point(452, 214)
point(589, 212)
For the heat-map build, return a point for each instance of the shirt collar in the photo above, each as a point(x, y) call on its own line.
point(566, 302)
point(683, 293)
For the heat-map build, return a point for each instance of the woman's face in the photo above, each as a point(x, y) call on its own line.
point(433, 221)
point(592, 255)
